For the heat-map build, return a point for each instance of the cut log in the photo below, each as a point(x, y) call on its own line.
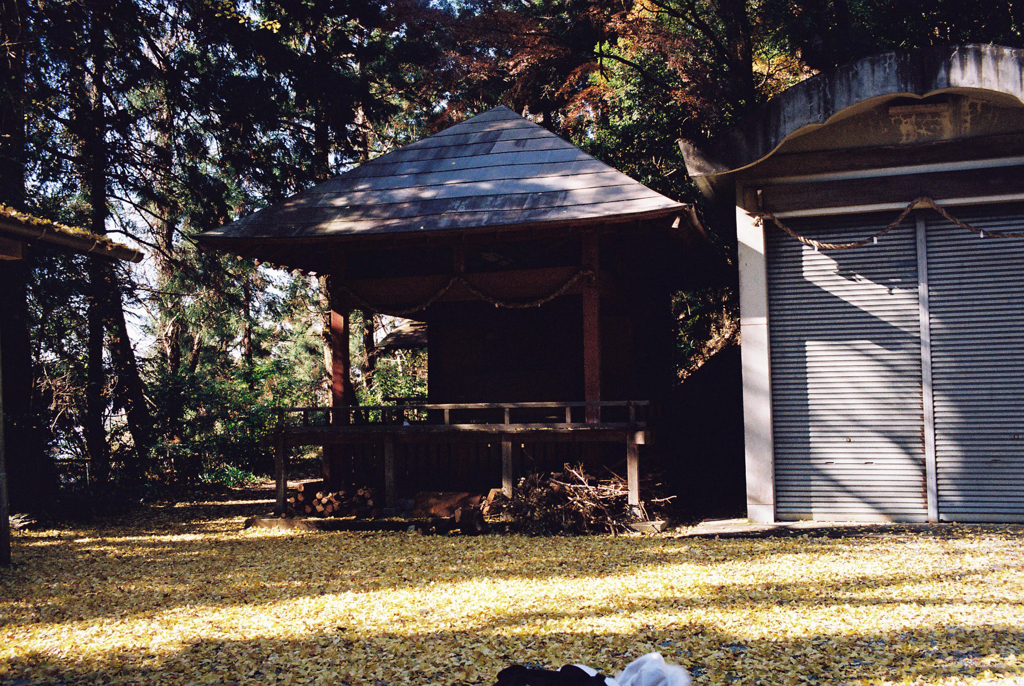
point(443, 504)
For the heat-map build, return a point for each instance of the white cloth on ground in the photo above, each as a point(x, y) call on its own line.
point(649, 670)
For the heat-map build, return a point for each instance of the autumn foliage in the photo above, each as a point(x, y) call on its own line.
point(182, 595)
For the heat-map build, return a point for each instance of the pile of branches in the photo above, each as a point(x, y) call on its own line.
point(572, 501)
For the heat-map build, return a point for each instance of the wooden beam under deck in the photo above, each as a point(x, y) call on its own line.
point(332, 435)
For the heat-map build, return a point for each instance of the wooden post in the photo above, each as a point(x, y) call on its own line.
point(280, 473)
point(632, 469)
point(390, 492)
point(592, 329)
point(336, 460)
point(506, 465)
point(5, 511)
point(342, 393)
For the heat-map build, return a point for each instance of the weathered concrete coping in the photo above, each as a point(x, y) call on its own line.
point(815, 101)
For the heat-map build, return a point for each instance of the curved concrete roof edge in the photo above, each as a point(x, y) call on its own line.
point(819, 98)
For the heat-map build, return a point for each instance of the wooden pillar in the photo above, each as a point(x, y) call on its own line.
point(337, 457)
point(632, 469)
point(5, 513)
point(390, 491)
point(280, 474)
point(506, 465)
point(592, 328)
point(342, 393)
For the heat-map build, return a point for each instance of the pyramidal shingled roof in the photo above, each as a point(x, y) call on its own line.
point(494, 170)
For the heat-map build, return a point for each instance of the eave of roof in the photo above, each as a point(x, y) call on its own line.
point(817, 100)
point(496, 171)
point(411, 335)
point(27, 228)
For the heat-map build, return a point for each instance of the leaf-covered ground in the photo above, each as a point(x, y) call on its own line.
point(185, 596)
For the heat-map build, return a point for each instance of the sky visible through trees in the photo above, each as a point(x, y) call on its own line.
point(150, 121)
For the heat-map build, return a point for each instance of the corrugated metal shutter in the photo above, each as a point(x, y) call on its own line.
point(976, 293)
point(846, 373)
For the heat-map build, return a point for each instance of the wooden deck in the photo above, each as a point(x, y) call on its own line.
point(608, 422)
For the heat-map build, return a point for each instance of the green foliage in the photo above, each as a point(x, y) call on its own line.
point(707, 320)
point(381, 375)
point(230, 476)
point(827, 34)
point(402, 374)
point(210, 111)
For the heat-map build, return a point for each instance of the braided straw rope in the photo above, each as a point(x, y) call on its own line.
point(458, 279)
point(918, 203)
point(583, 273)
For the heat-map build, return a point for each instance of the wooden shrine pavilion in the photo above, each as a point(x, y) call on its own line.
point(544, 276)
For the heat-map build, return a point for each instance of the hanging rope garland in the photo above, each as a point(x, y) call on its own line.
point(918, 203)
point(583, 273)
point(399, 313)
point(459, 279)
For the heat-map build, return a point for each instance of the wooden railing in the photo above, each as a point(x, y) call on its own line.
point(604, 421)
point(534, 414)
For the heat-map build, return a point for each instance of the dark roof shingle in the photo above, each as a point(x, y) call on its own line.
point(494, 170)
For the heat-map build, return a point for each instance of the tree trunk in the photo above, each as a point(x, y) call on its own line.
point(105, 306)
point(172, 330)
point(95, 398)
point(12, 103)
point(369, 348)
point(321, 167)
point(132, 390)
point(92, 172)
point(248, 347)
point(740, 46)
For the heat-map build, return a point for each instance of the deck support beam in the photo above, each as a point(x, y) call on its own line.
point(390, 488)
point(506, 465)
point(632, 469)
point(280, 474)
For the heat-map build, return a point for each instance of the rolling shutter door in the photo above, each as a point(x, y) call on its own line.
point(976, 295)
point(846, 373)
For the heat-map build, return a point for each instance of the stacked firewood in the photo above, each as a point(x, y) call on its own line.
point(315, 499)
